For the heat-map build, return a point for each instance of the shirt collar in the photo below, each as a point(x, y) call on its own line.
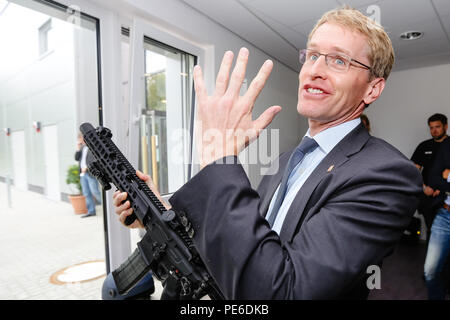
point(329, 138)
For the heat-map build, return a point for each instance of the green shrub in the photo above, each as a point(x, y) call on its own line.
point(73, 178)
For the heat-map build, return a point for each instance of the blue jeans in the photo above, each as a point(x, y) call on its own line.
point(89, 185)
point(437, 253)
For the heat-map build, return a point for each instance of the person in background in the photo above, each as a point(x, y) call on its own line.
point(423, 157)
point(365, 121)
point(89, 184)
point(439, 243)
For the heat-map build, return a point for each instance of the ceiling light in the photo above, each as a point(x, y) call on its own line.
point(411, 35)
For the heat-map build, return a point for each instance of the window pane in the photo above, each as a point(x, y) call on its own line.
point(165, 121)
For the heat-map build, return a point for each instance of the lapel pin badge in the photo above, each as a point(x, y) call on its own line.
point(330, 168)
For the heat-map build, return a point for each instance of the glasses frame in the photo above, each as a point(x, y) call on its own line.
point(343, 55)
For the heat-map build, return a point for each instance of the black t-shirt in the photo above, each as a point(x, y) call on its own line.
point(424, 156)
point(440, 163)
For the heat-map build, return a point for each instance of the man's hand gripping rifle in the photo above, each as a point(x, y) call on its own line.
point(167, 248)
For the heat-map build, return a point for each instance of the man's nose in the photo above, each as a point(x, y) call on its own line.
point(319, 68)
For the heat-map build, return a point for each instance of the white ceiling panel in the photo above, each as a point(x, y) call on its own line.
point(432, 30)
point(293, 12)
point(279, 27)
point(442, 6)
point(446, 22)
point(233, 16)
point(306, 27)
point(294, 37)
point(395, 13)
point(422, 48)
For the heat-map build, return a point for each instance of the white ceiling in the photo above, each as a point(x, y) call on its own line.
point(281, 27)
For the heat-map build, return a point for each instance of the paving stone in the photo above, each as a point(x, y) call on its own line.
point(39, 237)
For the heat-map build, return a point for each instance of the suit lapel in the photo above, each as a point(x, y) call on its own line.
point(349, 145)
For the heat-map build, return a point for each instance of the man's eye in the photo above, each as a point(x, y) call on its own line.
point(313, 57)
point(339, 61)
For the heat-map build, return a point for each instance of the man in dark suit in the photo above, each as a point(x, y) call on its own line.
point(89, 184)
point(339, 201)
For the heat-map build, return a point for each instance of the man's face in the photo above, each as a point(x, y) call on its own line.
point(437, 129)
point(344, 93)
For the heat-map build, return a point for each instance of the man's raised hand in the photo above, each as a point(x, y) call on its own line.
point(225, 117)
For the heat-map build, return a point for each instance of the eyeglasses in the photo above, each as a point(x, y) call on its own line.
point(336, 61)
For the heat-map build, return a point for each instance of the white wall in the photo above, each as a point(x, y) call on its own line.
point(400, 115)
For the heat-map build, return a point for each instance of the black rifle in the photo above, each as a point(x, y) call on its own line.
point(167, 248)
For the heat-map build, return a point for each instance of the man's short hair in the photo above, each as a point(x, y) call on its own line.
point(438, 117)
point(381, 53)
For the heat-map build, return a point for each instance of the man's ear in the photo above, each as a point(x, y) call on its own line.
point(374, 90)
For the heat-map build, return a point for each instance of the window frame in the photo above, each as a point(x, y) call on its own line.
point(186, 114)
point(140, 32)
point(43, 31)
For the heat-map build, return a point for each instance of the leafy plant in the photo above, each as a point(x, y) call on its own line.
point(73, 178)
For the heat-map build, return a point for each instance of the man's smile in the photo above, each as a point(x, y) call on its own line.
point(314, 91)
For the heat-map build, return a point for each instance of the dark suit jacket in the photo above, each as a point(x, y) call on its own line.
point(341, 221)
point(89, 158)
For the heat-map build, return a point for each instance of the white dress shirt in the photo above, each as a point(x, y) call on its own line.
point(83, 163)
point(327, 140)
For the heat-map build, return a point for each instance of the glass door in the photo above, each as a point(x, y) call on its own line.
point(49, 85)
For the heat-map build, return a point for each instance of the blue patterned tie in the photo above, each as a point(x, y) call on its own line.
point(305, 146)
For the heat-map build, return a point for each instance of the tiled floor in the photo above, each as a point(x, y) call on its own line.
point(401, 274)
point(39, 237)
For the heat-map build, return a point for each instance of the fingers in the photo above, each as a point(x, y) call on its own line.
point(142, 176)
point(124, 215)
point(118, 198)
point(224, 73)
point(123, 210)
point(266, 118)
point(238, 75)
point(199, 84)
point(148, 180)
point(258, 83)
point(445, 173)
